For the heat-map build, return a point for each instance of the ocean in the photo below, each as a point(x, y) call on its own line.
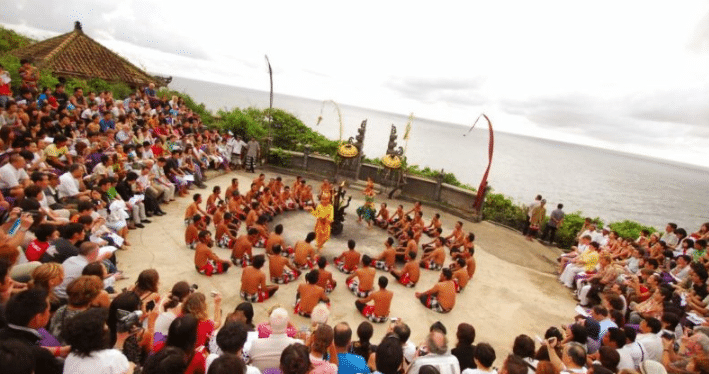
point(601, 183)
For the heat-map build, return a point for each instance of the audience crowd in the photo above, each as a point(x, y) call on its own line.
point(78, 172)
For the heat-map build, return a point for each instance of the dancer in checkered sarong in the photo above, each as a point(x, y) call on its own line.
point(281, 270)
point(379, 312)
point(441, 297)
point(253, 282)
point(409, 275)
point(362, 281)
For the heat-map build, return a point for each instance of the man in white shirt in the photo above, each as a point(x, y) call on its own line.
point(73, 266)
point(650, 340)
point(669, 236)
point(600, 314)
point(438, 356)
point(572, 360)
point(236, 146)
point(615, 338)
point(266, 353)
point(69, 186)
point(13, 176)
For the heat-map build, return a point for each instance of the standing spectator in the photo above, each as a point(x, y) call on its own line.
point(235, 146)
point(29, 75)
point(252, 154)
point(556, 219)
point(528, 209)
point(536, 217)
point(5, 91)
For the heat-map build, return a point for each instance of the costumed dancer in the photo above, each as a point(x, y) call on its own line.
point(324, 214)
point(367, 211)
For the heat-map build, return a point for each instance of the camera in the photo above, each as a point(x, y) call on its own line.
point(127, 321)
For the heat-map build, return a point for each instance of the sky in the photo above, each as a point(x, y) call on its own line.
point(631, 76)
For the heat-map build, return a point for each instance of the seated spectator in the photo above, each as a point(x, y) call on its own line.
point(25, 313)
point(484, 358)
point(266, 353)
point(319, 350)
point(90, 353)
point(295, 360)
point(438, 356)
point(348, 363)
point(231, 339)
point(81, 292)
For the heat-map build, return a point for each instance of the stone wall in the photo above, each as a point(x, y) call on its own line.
point(453, 199)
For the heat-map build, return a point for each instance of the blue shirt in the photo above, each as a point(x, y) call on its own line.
point(105, 125)
point(349, 363)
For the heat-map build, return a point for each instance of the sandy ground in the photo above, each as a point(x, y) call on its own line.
point(513, 291)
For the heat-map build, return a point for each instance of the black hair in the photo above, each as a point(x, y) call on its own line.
point(402, 331)
point(485, 354)
point(126, 301)
point(351, 244)
point(312, 276)
point(342, 334)
point(183, 333)
point(366, 260)
point(196, 197)
point(322, 262)
point(383, 282)
point(252, 232)
point(465, 334)
point(389, 355)
point(44, 231)
point(5, 266)
point(24, 306)
point(248, 310)
point(16, 357)
point(227, 364)
point(258, 261)
point(72, 229)
point(654, 324)
point(617, 336)
point(390, 241)
point(168, 360)
point(447, 273)
point(232, 336)
point(278, 229)
point(523, 346)
point(412, 255)
point(276, 249)
point(85, 332)
point(295, 359)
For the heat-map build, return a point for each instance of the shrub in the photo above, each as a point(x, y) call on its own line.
point(630, 229)
point(566, 234)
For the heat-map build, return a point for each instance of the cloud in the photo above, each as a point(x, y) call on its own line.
point(123, 21)
point(699, 41)
point(463, 91)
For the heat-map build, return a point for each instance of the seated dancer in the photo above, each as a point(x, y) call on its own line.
point(252, 216)
point(387, 258)
point(382, 218)
point(287, 199)
point(280, 268)
point(306, 198)
point(433, 227)
point(235, 206)
point(362, 281)
point(470, 263)
point(460, 274)
point(253, 282)
point(409, 246)
point(218, 214)
point(241, 250)
point(213, 199)
point(379, 312)
point(192, 232)
point(304, 254)
point(415, 210)
point(194, 208)
point(276, 238)
point(441, 297)
point(464, 250)
point(261, 227)
point(349, 259)
point(225, 232)
point(233, 187)
point(398, 215)
point(325, 279)
point(400, 227)
point(428, 247)
point(455, 239)
point(410, 273)
point(309, 295)
point(434, 259)
point(205, 261)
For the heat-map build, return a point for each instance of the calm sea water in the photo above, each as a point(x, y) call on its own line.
point(611, 185)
